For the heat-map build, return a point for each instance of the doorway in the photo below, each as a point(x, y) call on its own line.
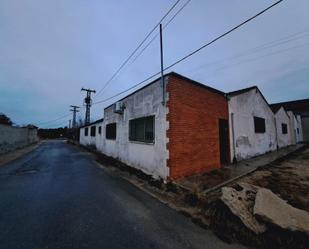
point(224, 141)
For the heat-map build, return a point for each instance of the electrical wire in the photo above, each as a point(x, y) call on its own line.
point(164, 26)
point(53, 120)
point(254, 50)
point(137, 48)
point(195, 51)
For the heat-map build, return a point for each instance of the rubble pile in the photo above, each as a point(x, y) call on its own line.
point(267, 216)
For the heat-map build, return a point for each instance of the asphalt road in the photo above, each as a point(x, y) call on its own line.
point(58, 197)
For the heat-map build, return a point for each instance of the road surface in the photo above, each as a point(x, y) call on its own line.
point(58, 197)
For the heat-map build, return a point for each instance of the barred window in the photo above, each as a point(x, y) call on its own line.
point(92, 131)
point(259, 125)
point(284, 128)
point(142, 129)
point(111, 131)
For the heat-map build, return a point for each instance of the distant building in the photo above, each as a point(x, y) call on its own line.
point(186, 127)
point(301, 108)
point(283, 125)
point(252, 124)
point(186, 134)
point(91, 134)
point(296, 128)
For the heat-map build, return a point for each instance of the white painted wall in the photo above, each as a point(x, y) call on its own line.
point(295, 128)
point(89, 140)
point(150, 158)
point(246, 143)
point(305, 128)
point(282, 117)
point(300, 137)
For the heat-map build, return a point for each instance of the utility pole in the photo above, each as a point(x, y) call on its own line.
point(70, 124)
point(87, 103)
point(162, 66)
point(74, 110)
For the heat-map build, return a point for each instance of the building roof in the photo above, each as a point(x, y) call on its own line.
point(95, 122)
point(244, 90)
point(196, 83)
point(177, 76)
point(297, 106)
point(275, 108)
point(241, 91)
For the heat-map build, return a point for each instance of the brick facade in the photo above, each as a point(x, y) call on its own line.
point(194, 111)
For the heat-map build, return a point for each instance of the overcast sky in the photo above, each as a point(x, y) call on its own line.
point(49, 49)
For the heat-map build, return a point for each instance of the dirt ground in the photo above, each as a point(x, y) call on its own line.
point(289, 179)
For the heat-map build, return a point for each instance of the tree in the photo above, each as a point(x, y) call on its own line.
point(5, 119)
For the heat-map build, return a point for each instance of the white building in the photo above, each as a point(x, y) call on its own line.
point(91, 134)
point(300, 108)
point(165, 132)
point(283, 125)
point(143, 148)
point(295, 128)
point(252, 124)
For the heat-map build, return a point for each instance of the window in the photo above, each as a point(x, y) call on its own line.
point(142, 129)
point(111, 131)
point(284, 128)
point(297, 130)
point(92, 131)
point(86, 131)
point(259, 125)
point(100, 130)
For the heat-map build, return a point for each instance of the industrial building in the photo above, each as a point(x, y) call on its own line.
point(252, 126)
point(168, 130)
point(299, 108)
point(180, 127)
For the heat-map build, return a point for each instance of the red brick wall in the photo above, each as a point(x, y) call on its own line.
point(193, 133)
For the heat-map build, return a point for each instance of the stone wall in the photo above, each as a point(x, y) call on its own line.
point(12, 138)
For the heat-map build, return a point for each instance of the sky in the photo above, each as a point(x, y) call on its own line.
point(50, 49)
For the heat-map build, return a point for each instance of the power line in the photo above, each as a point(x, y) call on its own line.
point(261, 57)
point(54, 125)
point(53, 120)
point(195, 51)
point(223, 35)
point(274, 43)
point(151, 41)
point(132, 87)
point(138, 47)
point(188, 55)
